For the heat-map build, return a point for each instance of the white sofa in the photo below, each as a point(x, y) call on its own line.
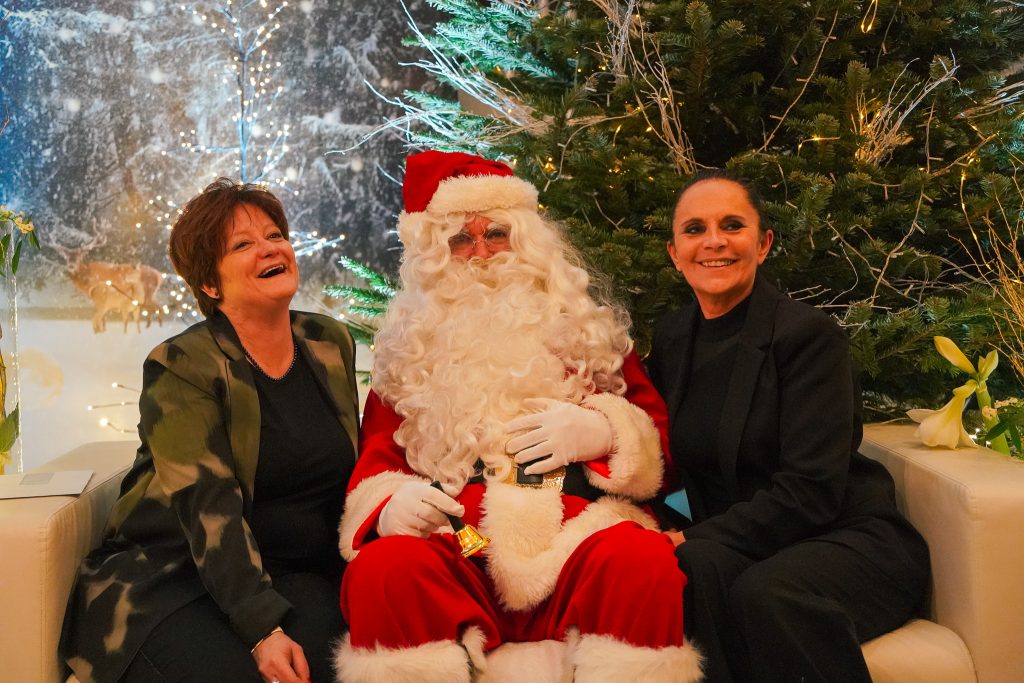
point(42, 541)
point(968, 504)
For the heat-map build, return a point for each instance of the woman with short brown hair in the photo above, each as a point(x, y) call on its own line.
point(220, 561)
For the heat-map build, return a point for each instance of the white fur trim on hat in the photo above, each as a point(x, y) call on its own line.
point(476, 193)
point(603, 659)
point(442, 661)
point(362, 501)
point(529, 542)
point(636, 462)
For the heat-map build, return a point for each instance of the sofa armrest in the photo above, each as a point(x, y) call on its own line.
point(968, 504)
point(42, 542)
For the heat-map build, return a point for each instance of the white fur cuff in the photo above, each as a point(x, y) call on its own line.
point(362, 502)
point(636, 462)
point(443, 661)
point(603, 659)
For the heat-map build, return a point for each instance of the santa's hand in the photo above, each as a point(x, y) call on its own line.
point(565, 432)
point(417, 509)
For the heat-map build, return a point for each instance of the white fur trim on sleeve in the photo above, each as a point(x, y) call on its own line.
point(362, 501)
point(603, 659)
point(636, 462)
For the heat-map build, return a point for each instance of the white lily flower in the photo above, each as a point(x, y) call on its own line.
point(948, 349)
point(945, 427)
point(988, 364)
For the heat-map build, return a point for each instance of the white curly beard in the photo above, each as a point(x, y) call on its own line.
point(458, 361)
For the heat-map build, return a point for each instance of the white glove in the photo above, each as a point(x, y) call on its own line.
point(564, 431)
point(417, 509)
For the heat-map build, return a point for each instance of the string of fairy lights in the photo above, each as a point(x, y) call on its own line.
point(252, 91)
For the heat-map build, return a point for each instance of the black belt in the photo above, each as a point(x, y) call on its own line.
point(575, 482)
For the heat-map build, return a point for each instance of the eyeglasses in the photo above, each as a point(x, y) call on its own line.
point(496, 239)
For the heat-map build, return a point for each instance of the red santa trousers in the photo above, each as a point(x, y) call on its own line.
point(622, 583)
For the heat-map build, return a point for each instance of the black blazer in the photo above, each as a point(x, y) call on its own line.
point(789, 430)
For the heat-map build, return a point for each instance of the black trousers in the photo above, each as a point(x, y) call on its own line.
point(800, 615)
point(196, 643)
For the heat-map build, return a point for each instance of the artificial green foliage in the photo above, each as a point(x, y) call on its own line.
point(882, 136)
point(365, 303)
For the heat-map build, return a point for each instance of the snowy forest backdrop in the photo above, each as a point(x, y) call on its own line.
point(111, 107)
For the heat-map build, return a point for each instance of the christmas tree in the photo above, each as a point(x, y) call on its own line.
point(885, 138)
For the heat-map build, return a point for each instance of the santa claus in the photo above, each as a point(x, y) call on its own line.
point(498, 374)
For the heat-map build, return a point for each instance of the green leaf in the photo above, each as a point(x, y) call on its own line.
point(4, 242)
point(1015, 439)
point(34, 239)
point(998, 430)
point(16, 258)
point(9, 431)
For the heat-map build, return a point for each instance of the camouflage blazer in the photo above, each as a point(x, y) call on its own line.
point(179, 528)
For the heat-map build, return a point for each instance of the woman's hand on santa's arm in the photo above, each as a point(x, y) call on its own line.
point(675, 536)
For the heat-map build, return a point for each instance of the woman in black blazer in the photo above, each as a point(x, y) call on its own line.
point(796, 552)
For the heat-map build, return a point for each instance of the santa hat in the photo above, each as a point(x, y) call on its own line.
point(446, 182)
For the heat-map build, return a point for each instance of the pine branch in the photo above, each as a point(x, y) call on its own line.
point(881, 183)
point(365, 296)
point(378, 281)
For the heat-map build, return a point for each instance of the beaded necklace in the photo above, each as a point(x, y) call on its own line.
point(252, 362)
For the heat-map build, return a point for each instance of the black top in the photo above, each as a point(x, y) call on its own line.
point(787, 439)
point(192, 482)
point(695, 433)
point(305, 462)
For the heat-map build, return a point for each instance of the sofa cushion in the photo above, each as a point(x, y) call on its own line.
point(919, 652)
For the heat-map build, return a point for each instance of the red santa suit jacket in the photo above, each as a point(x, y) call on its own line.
point(533, 531)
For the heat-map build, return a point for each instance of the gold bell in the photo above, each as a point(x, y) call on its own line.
point(470, 540)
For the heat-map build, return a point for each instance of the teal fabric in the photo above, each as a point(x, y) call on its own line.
point(179, 529)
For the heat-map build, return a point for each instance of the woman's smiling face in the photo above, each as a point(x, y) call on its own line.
point(258, 269)
point(717, 243)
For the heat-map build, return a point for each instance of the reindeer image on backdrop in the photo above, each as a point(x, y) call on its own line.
point(128, 289)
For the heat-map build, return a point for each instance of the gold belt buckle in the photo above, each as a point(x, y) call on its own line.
point(549, 480)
